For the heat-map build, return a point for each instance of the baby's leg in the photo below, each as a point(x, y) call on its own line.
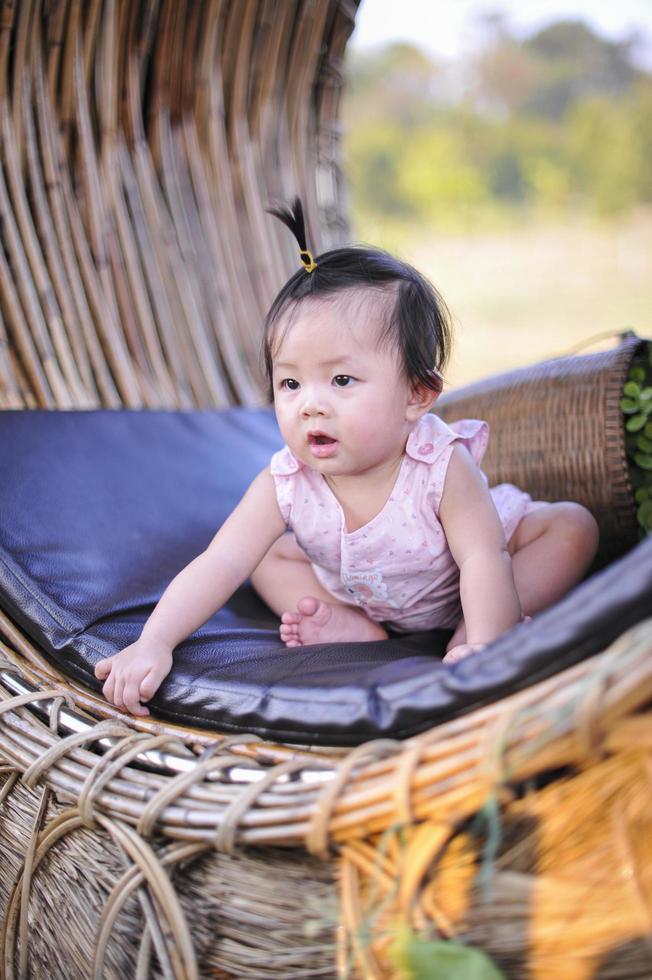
point(309, 614)
point(551, 550)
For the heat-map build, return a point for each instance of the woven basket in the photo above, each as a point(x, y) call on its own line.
point(557, 431)
point(236, 858)
point(141, 141)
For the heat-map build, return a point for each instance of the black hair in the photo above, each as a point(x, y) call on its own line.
point(418, 321)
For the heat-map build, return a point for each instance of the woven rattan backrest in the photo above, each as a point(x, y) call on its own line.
point(557, 431)
point(142, 141)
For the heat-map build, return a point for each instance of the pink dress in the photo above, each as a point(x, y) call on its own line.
point(398, 567)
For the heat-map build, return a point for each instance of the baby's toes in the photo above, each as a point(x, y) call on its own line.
point(289, 633)
point(291, 618)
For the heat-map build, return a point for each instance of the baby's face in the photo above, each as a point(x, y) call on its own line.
point(343, 404)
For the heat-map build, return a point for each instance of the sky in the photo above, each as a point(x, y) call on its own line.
point(446, 27)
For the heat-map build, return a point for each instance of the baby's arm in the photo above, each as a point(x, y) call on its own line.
point(477, 542)
point(134, 674)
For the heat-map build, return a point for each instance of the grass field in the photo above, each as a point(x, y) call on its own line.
point(537, 291)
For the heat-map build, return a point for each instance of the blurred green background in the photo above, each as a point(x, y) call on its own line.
point(517, 176)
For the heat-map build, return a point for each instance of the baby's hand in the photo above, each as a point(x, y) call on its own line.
point(134, 674)
point(461, 651)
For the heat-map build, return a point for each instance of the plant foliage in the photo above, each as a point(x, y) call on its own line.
point(636, 405)
point(417, 958)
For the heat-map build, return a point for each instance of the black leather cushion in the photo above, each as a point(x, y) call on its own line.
point(99, 510)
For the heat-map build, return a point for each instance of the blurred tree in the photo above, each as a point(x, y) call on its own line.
point(604, 154)
point(546, 73)
point(561, 118)
point(436, 177)
point(641, 115)
point(576, 63)
point(398, 82)
point(374, 160)
point(503, 74)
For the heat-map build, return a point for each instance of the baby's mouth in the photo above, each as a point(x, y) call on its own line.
point(322, 446)
point(319, 439)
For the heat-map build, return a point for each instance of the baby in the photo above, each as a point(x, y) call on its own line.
point(376, 515)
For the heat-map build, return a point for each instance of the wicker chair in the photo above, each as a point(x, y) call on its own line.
point(141, 143)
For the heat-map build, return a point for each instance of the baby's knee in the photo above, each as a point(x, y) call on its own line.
point(576, 527)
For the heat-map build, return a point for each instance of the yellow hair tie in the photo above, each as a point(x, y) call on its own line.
point(306, 258)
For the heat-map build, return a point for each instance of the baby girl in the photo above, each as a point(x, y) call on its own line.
point(375, 516)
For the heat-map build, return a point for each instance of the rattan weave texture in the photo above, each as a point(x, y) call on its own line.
point(140, 143)
point(557, 431)
point(395, 812)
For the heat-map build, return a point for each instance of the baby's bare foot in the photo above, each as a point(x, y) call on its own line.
point(320, 622)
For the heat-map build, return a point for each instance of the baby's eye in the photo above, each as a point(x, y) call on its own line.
point(289, 384)
point(343, 380)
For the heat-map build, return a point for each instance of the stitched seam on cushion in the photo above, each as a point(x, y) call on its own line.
point(38, 598)
point(298, 700)
point(64, 626)
point(244, 726)
point(408, 730)
point(89, 641)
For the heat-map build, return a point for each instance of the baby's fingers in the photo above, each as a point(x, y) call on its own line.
point(149, 685)
point(109, 687)
point(118, 689)
point(103, 668)
point(131, 698)
point(457, 653)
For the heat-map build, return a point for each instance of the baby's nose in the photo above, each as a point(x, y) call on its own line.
point(313, 404)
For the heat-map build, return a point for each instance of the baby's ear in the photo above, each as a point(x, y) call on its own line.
point(421, 401)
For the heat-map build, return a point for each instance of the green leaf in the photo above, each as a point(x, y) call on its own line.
point(647, 431)
point(644, 515)
point(628, 406)
point(442, 960)
point(646, 394)
point(641, 495)
point(645, 445)
point(637, 373)
point(636, 423)
point(632, 389)
point(644, 461)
